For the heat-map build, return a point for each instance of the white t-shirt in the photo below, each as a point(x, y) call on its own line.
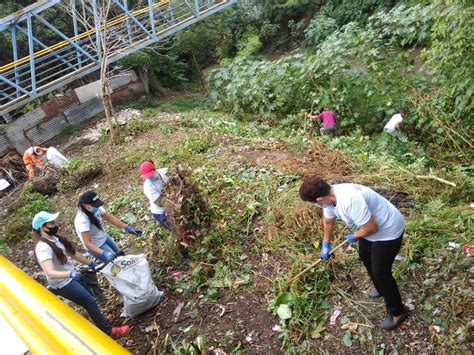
point(392, 123)
point(357, 203)
point(44, 252)
point(82, 223)
point(153, 190)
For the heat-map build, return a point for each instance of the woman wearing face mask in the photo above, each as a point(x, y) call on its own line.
point(54, 254)
point(154, 181)
point(89, 227)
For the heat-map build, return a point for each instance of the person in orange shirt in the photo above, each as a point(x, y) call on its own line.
point(32, 159)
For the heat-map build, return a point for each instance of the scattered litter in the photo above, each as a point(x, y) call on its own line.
point(150, 328)
point(399, 258)
point(282, 187)
point(472, 204)
point(350, 326)
point(453, 245)
point(177, 276)
point(252, 337)
point(276, 328)
point(4, 184)
point(31, 253)
point(187, 329)
point(410, 304)
point(222, 308)
point(284, 311)
point(336, 313)
point(469, 249)
point(219, 351)
point(177, 311)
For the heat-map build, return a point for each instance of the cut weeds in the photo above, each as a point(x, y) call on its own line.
point(251, 232)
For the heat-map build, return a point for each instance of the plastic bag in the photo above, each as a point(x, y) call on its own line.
point(131, 276)
point(56, 158)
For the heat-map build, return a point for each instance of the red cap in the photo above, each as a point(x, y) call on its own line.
point(147, 169)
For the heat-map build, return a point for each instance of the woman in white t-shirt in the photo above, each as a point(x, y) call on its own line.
point(54, 254)
point(153, 184)
point(375, 223)
point(89, 227)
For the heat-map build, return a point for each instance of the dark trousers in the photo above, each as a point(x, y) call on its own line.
point(378, 258)
point(78, 292)
point(165, 222)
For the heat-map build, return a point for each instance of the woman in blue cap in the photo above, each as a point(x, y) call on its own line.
point(89, 227)
point(54, 254)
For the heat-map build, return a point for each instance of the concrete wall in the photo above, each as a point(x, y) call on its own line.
point(71, 108)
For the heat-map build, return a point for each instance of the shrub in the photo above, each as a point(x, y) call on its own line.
point(19, 216)
point(319, 28)
point(78, 173)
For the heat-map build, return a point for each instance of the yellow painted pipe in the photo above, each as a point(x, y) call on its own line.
point(45, 323)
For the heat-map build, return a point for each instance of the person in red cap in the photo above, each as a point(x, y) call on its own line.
point(154, 181)
point(32, 159)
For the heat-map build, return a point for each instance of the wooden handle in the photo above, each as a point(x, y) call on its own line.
point(290, 281)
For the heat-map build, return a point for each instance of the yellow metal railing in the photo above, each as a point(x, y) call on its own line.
point(113, 22)
point(45, 323)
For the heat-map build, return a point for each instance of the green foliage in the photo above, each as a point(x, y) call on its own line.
point(79, 172)
point(20, 215)
point(319, 28)
point(365, 73)
point(249, 45)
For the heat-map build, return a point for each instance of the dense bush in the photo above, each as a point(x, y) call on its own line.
point(365, 73)
point(78, 173)
point(19, 216)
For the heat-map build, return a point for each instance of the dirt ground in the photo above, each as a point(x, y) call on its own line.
point(239, 318)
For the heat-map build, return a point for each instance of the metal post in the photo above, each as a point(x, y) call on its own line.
point(152, 17)
point(32, 54)
point(129, 29)
point(196, 7)
point(15, 58)
point(97, 25)
point(76, 31)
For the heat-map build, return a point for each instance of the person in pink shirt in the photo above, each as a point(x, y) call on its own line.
point(328, 119)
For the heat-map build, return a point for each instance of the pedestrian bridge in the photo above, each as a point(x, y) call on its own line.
point(94, 29)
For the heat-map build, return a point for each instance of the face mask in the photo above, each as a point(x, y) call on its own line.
point(153, 178)
point(94, 210)
point(325, 205)
point(52, 231)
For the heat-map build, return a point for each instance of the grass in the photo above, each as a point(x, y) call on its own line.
point(255, 211)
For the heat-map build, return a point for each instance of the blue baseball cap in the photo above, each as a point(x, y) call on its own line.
point(43, 217)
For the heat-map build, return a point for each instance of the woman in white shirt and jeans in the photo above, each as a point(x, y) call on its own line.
point(154, 181)
point(54, 254)
point(89, 227)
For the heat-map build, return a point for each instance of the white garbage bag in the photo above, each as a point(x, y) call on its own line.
point(56, 158)
point(131, 276)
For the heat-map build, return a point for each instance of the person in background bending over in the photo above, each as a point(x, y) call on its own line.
point(394, 125)
point(377, 226)
point(90, 230)
point(154, 181)
point(328, 119)
point(53, 254)
point(32, 159)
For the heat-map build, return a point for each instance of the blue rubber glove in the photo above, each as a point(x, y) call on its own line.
point(132, 230)
point(75, 275)
point(92, 265)
point(108, 255)
point(325, 251)
point(350, 238)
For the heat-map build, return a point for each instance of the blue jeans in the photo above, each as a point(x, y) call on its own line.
point(108, 245)
point(78, 292)
point(162, 219)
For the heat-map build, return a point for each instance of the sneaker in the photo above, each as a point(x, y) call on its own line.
point(373, 293)
point(390, 324)
point(119, 331)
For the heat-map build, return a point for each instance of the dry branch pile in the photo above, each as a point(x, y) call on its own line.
point(186, 209)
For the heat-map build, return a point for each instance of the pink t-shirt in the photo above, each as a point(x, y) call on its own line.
point(328, 118)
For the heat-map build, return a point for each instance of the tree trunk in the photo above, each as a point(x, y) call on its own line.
point(143, 75)
point(108, 107)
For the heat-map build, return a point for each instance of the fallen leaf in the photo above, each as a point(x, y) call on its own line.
point(317, 330)
point(347, 339)
point(350, 326)
point(284, 311)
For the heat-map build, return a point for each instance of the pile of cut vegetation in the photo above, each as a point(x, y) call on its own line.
point(186, 209)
